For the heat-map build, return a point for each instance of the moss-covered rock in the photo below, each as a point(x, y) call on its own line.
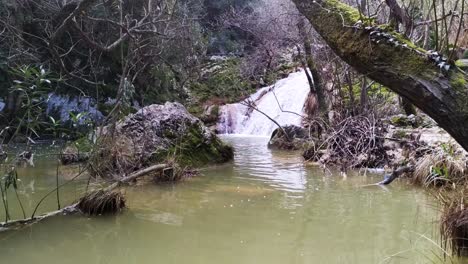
point(157, 134)
point(405, 121)
point(289, 138)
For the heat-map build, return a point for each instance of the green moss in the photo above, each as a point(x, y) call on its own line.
point(194, 150)
point(462, 64)
point(349, 14)
point(215, 110)
point(458, 81)
point(355, 47)
point(400, 37)
point(414, 65)
point(223, 82)
point(400, 134)
point(195, 109)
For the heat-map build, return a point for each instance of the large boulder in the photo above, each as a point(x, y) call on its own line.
point(289, 137)
point(157, 134)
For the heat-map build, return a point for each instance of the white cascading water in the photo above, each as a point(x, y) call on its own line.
point(286, 109)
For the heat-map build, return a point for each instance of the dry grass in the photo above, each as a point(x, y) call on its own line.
point(441, 167)
point(454, 222)
point(173, 173)
point(114, 157)
point(311, 105)
point(101, 202)
point(356, 142)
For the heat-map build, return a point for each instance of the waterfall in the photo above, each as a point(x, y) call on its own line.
point(282, 101)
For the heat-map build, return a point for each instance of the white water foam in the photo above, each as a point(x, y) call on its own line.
point(282, 101)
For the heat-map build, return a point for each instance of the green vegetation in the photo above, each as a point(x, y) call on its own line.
point(222, 82)
point(193, 150)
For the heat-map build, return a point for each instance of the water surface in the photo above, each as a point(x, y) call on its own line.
point(264, 207)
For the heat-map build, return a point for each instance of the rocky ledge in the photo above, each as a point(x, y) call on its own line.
point(156, 134)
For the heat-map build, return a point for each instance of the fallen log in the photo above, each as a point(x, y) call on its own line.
point(77, 206)
point(389, 178)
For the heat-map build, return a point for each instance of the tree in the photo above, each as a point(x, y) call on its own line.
point(275, 28)
point(130, 49)
point(438, 88)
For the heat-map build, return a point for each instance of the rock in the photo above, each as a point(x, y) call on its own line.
point(405, 121)
point(60, 107)
point(25, 158)
point(289, 137)
point(71, 155)
point(157, 134)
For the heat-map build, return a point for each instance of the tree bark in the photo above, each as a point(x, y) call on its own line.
point(405, 68)
point(395, 174)
point(363, 98)
point(398, 14)
point(317, 82)
point(408, 107)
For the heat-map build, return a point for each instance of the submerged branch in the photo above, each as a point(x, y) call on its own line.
point(74, 208)
point(389, 178)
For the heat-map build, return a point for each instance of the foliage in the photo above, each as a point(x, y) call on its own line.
point(30, 90)
point(101, 202)
point(223, 81)
point(7, 182)
point(443, 166)
point(454, 222)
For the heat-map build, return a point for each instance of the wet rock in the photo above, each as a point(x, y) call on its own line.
point(289, 137)
point(157, 134)
point(71, 155)
point(25, 158)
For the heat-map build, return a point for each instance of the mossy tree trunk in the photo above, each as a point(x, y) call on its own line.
point(443, 95)
point(399, 16)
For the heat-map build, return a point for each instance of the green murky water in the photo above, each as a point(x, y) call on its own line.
point(265, 207)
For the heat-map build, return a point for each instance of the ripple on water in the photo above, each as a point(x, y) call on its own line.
point(265, 207)
point(280, 170)
point(160, 217)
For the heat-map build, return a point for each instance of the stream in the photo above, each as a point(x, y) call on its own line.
point(264, 207)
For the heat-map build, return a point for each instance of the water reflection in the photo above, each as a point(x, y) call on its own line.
point(265, 207)
point(283, 171)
